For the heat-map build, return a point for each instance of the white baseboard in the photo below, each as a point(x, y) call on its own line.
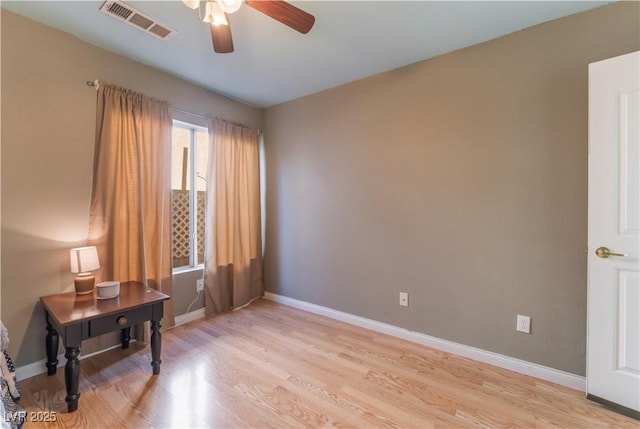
point(188, 317)
point(528, 368)
point(40, 367)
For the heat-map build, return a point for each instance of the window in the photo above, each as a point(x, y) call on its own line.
point(189, 152)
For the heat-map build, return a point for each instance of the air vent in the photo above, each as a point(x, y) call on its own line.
point(137, 19)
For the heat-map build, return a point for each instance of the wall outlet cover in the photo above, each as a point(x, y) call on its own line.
point(523, 324)
point(404, 299)
point(199, 285)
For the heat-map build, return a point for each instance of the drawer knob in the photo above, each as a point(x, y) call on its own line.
point(122, 320)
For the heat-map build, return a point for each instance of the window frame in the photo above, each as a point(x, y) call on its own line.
point(193, 196)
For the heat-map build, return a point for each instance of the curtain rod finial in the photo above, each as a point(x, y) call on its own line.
point(94, 83)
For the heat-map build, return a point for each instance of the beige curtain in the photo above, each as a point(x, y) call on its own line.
point(130, 202)
point(233, 242)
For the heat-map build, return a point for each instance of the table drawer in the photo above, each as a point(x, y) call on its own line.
point(119, 320)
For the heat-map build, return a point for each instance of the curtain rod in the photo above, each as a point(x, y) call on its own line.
point(175, 109)
point(259, 131)
point(96, 84)
point(197, 115)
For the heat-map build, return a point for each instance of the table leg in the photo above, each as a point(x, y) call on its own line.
point(156, 346)
point(72, 378)
point(125, 337)
point(51, 345)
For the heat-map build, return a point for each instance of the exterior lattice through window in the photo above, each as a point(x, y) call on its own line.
point(189, 152)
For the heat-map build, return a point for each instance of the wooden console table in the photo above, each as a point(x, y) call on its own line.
point(78, 317)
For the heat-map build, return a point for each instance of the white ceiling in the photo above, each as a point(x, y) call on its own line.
point(273, 64)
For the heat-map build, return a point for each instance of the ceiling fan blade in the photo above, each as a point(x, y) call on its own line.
point(284, 12)
point(221, 38)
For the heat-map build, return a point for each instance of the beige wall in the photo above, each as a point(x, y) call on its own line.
point(48, 120)
point(461, 180)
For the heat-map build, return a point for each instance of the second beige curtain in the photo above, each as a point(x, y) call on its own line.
point(130, 203)
point(233, 242)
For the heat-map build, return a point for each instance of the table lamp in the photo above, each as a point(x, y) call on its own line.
point(84, 260)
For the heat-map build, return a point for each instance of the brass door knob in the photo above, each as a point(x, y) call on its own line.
point(604, 253)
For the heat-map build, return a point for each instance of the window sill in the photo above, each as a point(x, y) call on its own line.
point(184, 270)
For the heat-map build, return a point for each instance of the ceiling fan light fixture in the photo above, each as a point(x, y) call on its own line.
point(229, 6)
point(214, 15)
point(191, 4)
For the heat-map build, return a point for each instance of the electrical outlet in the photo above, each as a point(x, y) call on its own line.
point(523, 324)
point(199, 285)
point(404, 299)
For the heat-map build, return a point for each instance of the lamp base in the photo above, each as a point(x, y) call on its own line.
point(84, 284)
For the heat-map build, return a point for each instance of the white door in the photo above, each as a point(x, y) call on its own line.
point(613, 340)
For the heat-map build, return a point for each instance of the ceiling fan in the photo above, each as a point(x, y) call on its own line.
point(217, 14)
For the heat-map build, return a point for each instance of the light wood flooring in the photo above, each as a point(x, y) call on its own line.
point(271, 366)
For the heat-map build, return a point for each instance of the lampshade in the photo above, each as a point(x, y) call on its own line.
point(229, 6)
point(191, 4)
point(84, 259)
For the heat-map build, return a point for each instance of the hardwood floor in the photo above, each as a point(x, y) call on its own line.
point(271, 366)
